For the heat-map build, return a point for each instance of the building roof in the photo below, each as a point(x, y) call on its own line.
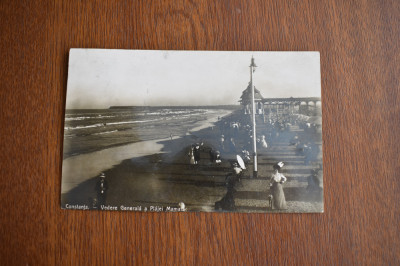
point(246, 95)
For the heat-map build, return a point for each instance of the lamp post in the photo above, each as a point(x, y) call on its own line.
point(252, 69)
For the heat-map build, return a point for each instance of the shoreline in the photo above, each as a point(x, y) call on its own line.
point(79, 168)
point(198, 125)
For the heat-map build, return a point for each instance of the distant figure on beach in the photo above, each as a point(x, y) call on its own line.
point(170, 135)
point(277, 179)
point(196, 153)
point(101, 188)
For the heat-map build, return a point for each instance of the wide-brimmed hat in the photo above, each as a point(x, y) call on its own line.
point(278, 165)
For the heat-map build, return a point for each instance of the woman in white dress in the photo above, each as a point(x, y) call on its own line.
point(191, 156)
point(277, 179)
point(264, 142)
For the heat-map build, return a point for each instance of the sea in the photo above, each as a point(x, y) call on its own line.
point(91, 130)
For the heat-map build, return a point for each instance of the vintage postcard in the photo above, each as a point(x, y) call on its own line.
point(210, 131)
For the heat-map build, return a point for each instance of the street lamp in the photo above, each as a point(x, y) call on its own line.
point(252, 69)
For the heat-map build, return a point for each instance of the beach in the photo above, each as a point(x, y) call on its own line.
point(80, 168)
point(87, 131)
point(157, 173)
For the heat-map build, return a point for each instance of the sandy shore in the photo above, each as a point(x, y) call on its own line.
point(80, 168)
point(210, 122)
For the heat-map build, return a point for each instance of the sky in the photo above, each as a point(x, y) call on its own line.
point(100, 78)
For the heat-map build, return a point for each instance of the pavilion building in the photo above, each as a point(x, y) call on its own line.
point(246, 101)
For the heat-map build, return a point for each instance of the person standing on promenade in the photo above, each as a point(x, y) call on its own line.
point(215, 156)
point(263, 142)
point(227, 203)
point(191, 156)
point(232, 145)
point(101, 188)
point(196, 153)
point(277, 179)
point(221, 142)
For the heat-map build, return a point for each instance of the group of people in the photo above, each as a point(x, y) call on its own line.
point(194, 153)
point(227, 144)
point(195, 150)
point(237, 138)
point(277, 196)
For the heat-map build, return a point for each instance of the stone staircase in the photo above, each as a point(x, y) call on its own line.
point(252, 193)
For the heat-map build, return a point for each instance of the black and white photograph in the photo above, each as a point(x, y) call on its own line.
point(177, 131)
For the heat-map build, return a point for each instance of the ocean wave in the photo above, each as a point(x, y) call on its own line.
point(81, 127)
point(110, 124)
point(173, 112)
point(78, 118)
point(132, 122)
point(105, 132)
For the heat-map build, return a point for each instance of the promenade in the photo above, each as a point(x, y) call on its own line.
point(167, 178)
